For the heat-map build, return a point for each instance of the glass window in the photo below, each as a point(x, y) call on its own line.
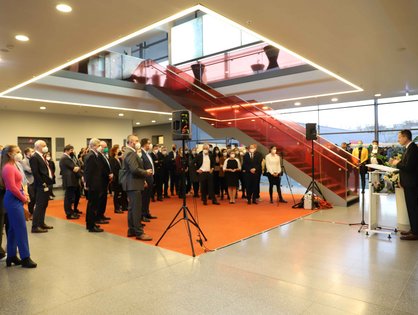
point(186, 41)
point(347, 119)
point(398, 116)
point(218, 35)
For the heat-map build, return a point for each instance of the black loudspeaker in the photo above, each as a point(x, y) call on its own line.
point(182, 125)
point(311, 131)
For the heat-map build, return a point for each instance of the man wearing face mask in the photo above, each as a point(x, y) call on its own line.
point(194, 177)
point(71, 174)
point(149, 180)
point(134, 185)
point(251, 164)
point(205, 164)
point(239, 154)
point(29, 176)
point(157, 159)
point(43, 180)
point(173, 176)
point(107, 176)
point(363, 155)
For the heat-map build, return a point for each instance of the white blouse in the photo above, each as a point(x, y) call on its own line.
point(273, 163)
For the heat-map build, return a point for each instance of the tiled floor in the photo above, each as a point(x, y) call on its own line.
point(316, 265)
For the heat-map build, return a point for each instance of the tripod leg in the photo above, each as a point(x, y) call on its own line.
point(194, 222)
point(185, 211)
point(169, 226)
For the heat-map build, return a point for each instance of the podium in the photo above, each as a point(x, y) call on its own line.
point(374, 227)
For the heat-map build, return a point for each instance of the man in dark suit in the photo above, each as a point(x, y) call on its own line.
point(149, 180)
point(408, 176)
point(251, 166)
point(173, 176)
point(108, 176)
point(157, 159)
point(96, 182)
point(133, 185)
point(71, 174)
point(205, 164)
point(42, 175)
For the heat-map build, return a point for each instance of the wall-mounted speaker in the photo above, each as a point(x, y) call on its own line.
point(182, 125)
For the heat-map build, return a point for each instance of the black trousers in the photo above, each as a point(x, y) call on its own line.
point(243, 180)
point(158, 185)
point(32, 197)
point(42, 199)
point(274, 181)
point(173, 182)
point(411, 200)
point(146, 198)
point(253, 186)
point(120, 199)
point(206, 186)
point(165, 178)
point(92, 207)
point(71, 197)
point(102, 203)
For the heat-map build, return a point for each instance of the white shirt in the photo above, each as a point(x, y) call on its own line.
point(206, 163)
point(150, 159)
point(273, 163)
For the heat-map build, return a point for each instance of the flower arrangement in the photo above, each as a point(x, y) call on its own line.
point(393, 181)
point(378, 185)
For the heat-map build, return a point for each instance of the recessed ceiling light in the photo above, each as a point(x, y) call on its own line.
point(64, 8)
point(121, 114)
point(153, 121)
point(137, 123)
point(297, 103)
point(377, 95)
point(212, 124)
point(42, 107)
point(334, 99)
point(252, 119)
point(265, 107)
point(229, 122)
point(170, 119)
point(22, 38)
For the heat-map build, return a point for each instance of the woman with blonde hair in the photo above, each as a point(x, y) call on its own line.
point(14, 198)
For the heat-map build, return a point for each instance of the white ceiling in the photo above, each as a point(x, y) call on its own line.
point(371, 43)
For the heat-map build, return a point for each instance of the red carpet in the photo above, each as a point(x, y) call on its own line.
point(222, 225)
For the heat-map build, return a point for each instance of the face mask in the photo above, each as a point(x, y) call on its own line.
point(119, 153)
point(205, 151)
point(193, 152)
point(164, 152)
point(137, 146)
point(18, 157)
point(45, 149)
point(375, 146)
point(216, 151)
point(48, 158)
point(155, 152)
point(360, 145)
point(273, 151)
point(174, 148)
point(99, 149)
point(232, 155)
point(225, 154)
point(72, 154)
point(105, 150)
point(252, 150)
point(244, 151)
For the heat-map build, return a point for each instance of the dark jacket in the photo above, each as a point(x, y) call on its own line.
point(198, 161)
point(147, 165)
point(255, 162)
point(115, 166)
point(40, 171)
point(95, 175)
point(408, 167)
point(136, 173)
point(69, 177)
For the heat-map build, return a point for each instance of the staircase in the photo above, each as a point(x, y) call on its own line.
point(335, 169)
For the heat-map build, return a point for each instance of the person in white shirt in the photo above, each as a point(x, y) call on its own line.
point(274, 173)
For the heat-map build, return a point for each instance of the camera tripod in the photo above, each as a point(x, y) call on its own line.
point(313, 184)
point(184, 214)
point(287, 177)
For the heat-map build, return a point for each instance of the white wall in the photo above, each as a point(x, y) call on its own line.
point(75, 129)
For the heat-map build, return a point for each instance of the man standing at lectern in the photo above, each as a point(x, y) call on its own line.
point(408, 176)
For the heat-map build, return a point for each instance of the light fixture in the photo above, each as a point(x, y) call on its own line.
point(22, 38)
point(298, 103)
point(42, 107)
point(170, 119)
point(265, 107)
point(121, 114)
point(212, 124)
point(137, 123)
point(334, 99)
point(153, 121)
point(377, 95)
point(229, 123)
point(252, 119)
point(65, 8)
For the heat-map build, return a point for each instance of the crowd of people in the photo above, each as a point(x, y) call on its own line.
point(136, 174)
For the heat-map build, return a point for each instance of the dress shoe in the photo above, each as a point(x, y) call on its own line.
point(73, 216)
point(282, 201)
point(39, 230)
point(150, 216)
point(144, 237)
point(95, 229)
point(13, 260)
point(28, 263)
point(404, 233)
point(145, 219)
point(102, 222)
point(47, 227)
point(131, 234)
point(2, 255)
point(271, 200)
point(105, 218)
point(410, 237)
point(167, 196)
point(76, 211)
point(255, 202)
point(215, 203)
point(205, 203)
point(249, 202)
point(160, 199)
point(118, 211)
